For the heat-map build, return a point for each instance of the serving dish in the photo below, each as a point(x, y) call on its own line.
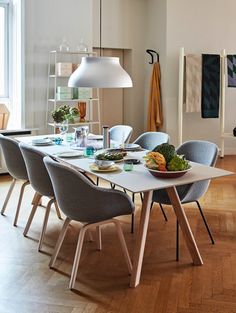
point(167, 174)
point(104, 164)
point(112, 168)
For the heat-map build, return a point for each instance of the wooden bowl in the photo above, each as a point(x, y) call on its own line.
point(167, 174)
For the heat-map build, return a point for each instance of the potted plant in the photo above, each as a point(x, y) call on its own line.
point(65, 112)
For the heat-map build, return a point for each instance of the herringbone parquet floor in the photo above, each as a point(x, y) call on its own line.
point(27, 285)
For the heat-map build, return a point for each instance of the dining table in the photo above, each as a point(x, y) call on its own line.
point(140, 180)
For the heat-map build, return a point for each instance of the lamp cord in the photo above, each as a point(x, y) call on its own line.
point(100, 29)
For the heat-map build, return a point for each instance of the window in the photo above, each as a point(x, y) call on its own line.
point(11, 65)
point(4, 50)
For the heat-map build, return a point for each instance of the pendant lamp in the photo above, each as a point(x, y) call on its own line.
point(100, 72)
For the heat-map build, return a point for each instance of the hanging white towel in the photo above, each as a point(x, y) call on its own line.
point(193, 83)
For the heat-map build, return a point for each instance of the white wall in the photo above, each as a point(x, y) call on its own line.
point(124, 27)
point(155, 39)
point(46, 23)
point(203, 26)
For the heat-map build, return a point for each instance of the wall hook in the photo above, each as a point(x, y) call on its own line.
point(149, 51)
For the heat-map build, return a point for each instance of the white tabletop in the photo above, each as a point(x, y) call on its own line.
point(139, 179)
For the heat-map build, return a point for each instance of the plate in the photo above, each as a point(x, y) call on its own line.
point(95, 137)
point(167, 174)
point(131, 146)
point(70, 154)
point(42, 142)
point(112, 168)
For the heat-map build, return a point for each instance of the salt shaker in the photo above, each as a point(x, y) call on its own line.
point(106, 137)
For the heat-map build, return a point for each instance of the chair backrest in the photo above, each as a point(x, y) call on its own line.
point(121, 133)
point(199, 151)
point(13, 158)
point(150, 140)
point(80, 199)
point(38, 175)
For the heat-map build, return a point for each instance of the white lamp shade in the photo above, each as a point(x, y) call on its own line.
point(100, 72)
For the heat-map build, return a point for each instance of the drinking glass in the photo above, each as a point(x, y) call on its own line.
point(63, 128)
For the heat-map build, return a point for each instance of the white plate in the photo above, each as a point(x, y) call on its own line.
point(131, 146)
point(42, 142)
point(95, 137)
point(70, 154)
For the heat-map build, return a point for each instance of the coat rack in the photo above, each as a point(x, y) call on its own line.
point(151, 52)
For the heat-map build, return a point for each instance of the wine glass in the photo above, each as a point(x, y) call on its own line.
point(63, 127)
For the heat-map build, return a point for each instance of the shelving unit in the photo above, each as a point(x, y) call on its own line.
point(55, 81)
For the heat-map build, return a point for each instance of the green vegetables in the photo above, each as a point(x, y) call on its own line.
point(114, 156)
point(167, 150)
point(164, 157)
point(178, 163)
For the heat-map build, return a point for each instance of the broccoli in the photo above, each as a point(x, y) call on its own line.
point(178, 163)
point(167, 150)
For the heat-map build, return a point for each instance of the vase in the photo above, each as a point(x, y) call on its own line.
point(82, 110)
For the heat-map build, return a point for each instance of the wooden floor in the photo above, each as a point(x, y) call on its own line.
point(27, 285)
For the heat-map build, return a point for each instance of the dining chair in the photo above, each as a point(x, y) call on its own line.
point(199, 151)
point(148, 141)
point(82, 201)
point(16, 167)
point(121, 133)
point(41, 183)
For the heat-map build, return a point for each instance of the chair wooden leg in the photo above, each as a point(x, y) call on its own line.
point(58, 211)
point(177, 240)
point(37, 199)
point(77, 256)
point(45, 222)
point(8, 195)
point(59, 242)
point(99, 238)
point(19, 202)
point(123, 245)
point(205, 223)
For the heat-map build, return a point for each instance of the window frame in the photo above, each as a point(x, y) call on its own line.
point(5, 4)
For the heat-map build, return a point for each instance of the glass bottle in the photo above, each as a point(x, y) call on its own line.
point(64, 47)
point(82, 47)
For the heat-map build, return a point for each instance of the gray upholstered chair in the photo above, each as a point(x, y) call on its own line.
point(41, 183)
point(16, 168)
point(82, 201)
point(199, 151)
point(121, 133)
point(148, 141)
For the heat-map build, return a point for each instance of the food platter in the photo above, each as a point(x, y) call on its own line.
point(167, 174)
point(112, 168)
point(108, 155)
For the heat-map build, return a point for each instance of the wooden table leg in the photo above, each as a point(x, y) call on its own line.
point(141, 240)
point(184, 225)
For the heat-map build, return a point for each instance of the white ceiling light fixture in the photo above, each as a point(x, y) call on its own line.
point(100, 72)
